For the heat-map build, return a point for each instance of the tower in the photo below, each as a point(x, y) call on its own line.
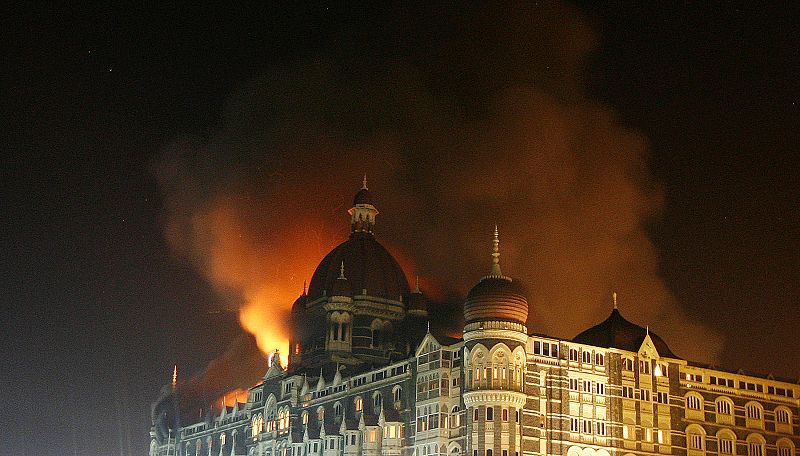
point(495, 314)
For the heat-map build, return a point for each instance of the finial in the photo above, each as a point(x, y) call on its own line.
point(429, 326)
point(341, 271)
point(364, 182)
point(496, 255)
point(174, 377)
point(614, 295)
point(416, 288)
point(648, 330)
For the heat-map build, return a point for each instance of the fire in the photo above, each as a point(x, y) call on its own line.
point(264, 316)
point(230, 398)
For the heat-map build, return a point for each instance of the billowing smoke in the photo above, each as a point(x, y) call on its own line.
point(469, 120)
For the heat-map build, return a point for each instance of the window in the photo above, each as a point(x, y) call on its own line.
point(694, 378)
point(755, 445)
point(753, 411)
point(644, 366)
point(573, 425)
point(358, 402)
point(455, 418)
point(627, 364)
point(587, 386)
point(599, 359)
point(695, 441)
point(662, 397)
point(573, 354)
point(516, 416)
point(601, 388)
point(587, 426)
point(627, 391)
point(645, 395)
point(586, 357)
point(694, 402)
point(573, 384)
point(488, 452)
point(377, 402)
point(304, 418)
point(489, 413)
point(785, 447)
point(727, 442)
point(724, 407)
point(222, 439)
point(475, 415)
point(505, 414)
point(601, 428)
point(321, 414)
point(337, 409)
point(398, 394)
point(782, 416)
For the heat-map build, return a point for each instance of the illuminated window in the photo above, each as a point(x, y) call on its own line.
point(222, 439)
point(304, 418)
point(321, 414)
point(627, 364)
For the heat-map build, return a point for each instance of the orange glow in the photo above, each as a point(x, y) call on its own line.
point(230, 398)
point(267, 272)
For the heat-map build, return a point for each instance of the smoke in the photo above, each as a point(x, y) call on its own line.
point(466, 121)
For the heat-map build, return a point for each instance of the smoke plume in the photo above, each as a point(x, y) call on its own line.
point(467, 121)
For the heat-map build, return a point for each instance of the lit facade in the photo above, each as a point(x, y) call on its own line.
point(373, 380)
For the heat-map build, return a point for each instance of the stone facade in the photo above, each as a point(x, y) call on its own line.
point(357, 387)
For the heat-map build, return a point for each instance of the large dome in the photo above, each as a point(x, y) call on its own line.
point(496, 298)
point(617, 332)
point(367, 265)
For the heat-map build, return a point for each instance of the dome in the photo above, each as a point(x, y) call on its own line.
point(617, 332)
point(363, 197)
point(496, 298)
point(368, 265)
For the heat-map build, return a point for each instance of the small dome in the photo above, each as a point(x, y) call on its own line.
point(369, 266)
point(497, 299)
point(617, 332)
point(363, 197)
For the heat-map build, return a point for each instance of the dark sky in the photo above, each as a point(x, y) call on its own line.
point(97, 306)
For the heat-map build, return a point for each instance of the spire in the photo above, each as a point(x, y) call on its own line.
point(496, 255)
point(304, 287)
point(364, 182)
point(614, 296)
point(341, 271)
point(416, 287)
point(174, 377)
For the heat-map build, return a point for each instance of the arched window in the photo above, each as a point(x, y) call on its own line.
point(727, 442)
point(695, 440)
point(785, 447)
point(321, 414)
point(358, 403)
point(754, 415)
point(724, 408)
point(337, 409)
point(783, 420)
point(455, 418)
point(755, 445)
point(694, 406)
point(283, 418)
point(397, 396)
point(377, 401)
point(304, 418)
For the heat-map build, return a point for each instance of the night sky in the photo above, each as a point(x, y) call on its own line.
point(97, 304)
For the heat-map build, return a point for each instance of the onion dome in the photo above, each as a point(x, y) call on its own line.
point(370, 266)
point(617, 332)
point(496, 297)
point(341, 287)
point(363, 196)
